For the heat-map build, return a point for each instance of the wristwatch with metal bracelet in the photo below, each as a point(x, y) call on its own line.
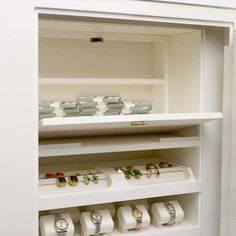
point(96, 218)
point(61, 225)
point(172, 212)
point(138, 216)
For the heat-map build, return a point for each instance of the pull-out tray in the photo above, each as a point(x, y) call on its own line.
point(113, 186)
point(121, 124)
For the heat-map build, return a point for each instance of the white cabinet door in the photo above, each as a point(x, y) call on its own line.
point(232, 163)
point(228, 175)
point(18, 148)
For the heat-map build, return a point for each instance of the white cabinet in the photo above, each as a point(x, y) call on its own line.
point(172, 67)
point(140, 51)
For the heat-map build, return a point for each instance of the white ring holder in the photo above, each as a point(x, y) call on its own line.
point(126, 220)
point(88, 227)
point(47, 225)
point(161, 215)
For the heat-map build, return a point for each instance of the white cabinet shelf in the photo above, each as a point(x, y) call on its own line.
point(102, 81)
point(186, 228)
point(93, 145)
point(114, 193)
point(118, 124)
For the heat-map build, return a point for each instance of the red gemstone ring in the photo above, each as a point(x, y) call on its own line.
point(49, 175)
point(59, 174)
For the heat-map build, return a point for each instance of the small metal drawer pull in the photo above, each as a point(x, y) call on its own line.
point(137, 123)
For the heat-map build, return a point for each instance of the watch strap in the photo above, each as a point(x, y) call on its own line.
point(171, 211)
point(97, 224)
point(138, 221)
point(62, 233)
point(98, 227)
point(59, 217)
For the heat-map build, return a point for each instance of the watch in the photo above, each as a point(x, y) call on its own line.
point(96, 218)
point(61, 225)
point(172, 212)
point(138, 216)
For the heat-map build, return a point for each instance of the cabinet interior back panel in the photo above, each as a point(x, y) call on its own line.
point(79, 58)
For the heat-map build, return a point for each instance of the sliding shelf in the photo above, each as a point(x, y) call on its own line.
point(97, 81)
point(121, 124)
point(116, 192)
point(123, 143)
point(186, 228)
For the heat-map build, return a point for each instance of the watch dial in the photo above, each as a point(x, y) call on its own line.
point(61, 224)
point(137, 213)
point(96, 216)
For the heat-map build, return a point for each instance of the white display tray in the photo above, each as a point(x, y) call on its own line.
point(186, 228)
point(121, 124)
point(122, 143)
point(117, 188)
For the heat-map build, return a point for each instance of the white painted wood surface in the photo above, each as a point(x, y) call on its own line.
point(185, 229)
point(97, 125)
point(97, 81)
point(18, 149)
point(24, 134)
point(115, 193)
point(116, 144)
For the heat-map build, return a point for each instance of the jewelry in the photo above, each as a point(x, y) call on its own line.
point(126, 172)
point(164, 164)
point(58, 174)
point(138, 216)
point(61, 225)
point(61, 181)
point(119, 169)
point(86, 179)
point(171, 211)
point(134, 172)
point(49, 175)
point(73, 180)
point(149, 167)
point(95, 179)
point(129, 171)
point(96, 218)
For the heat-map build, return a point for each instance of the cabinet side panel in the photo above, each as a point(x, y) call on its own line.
point(184, 72)
point(18, 148)
point(232, 204)
point(226, 142)
point(212, 90)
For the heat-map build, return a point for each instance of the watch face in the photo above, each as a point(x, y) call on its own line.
point(61, 224)
point(171, 207)
point(137, 214)
point(96, 216)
